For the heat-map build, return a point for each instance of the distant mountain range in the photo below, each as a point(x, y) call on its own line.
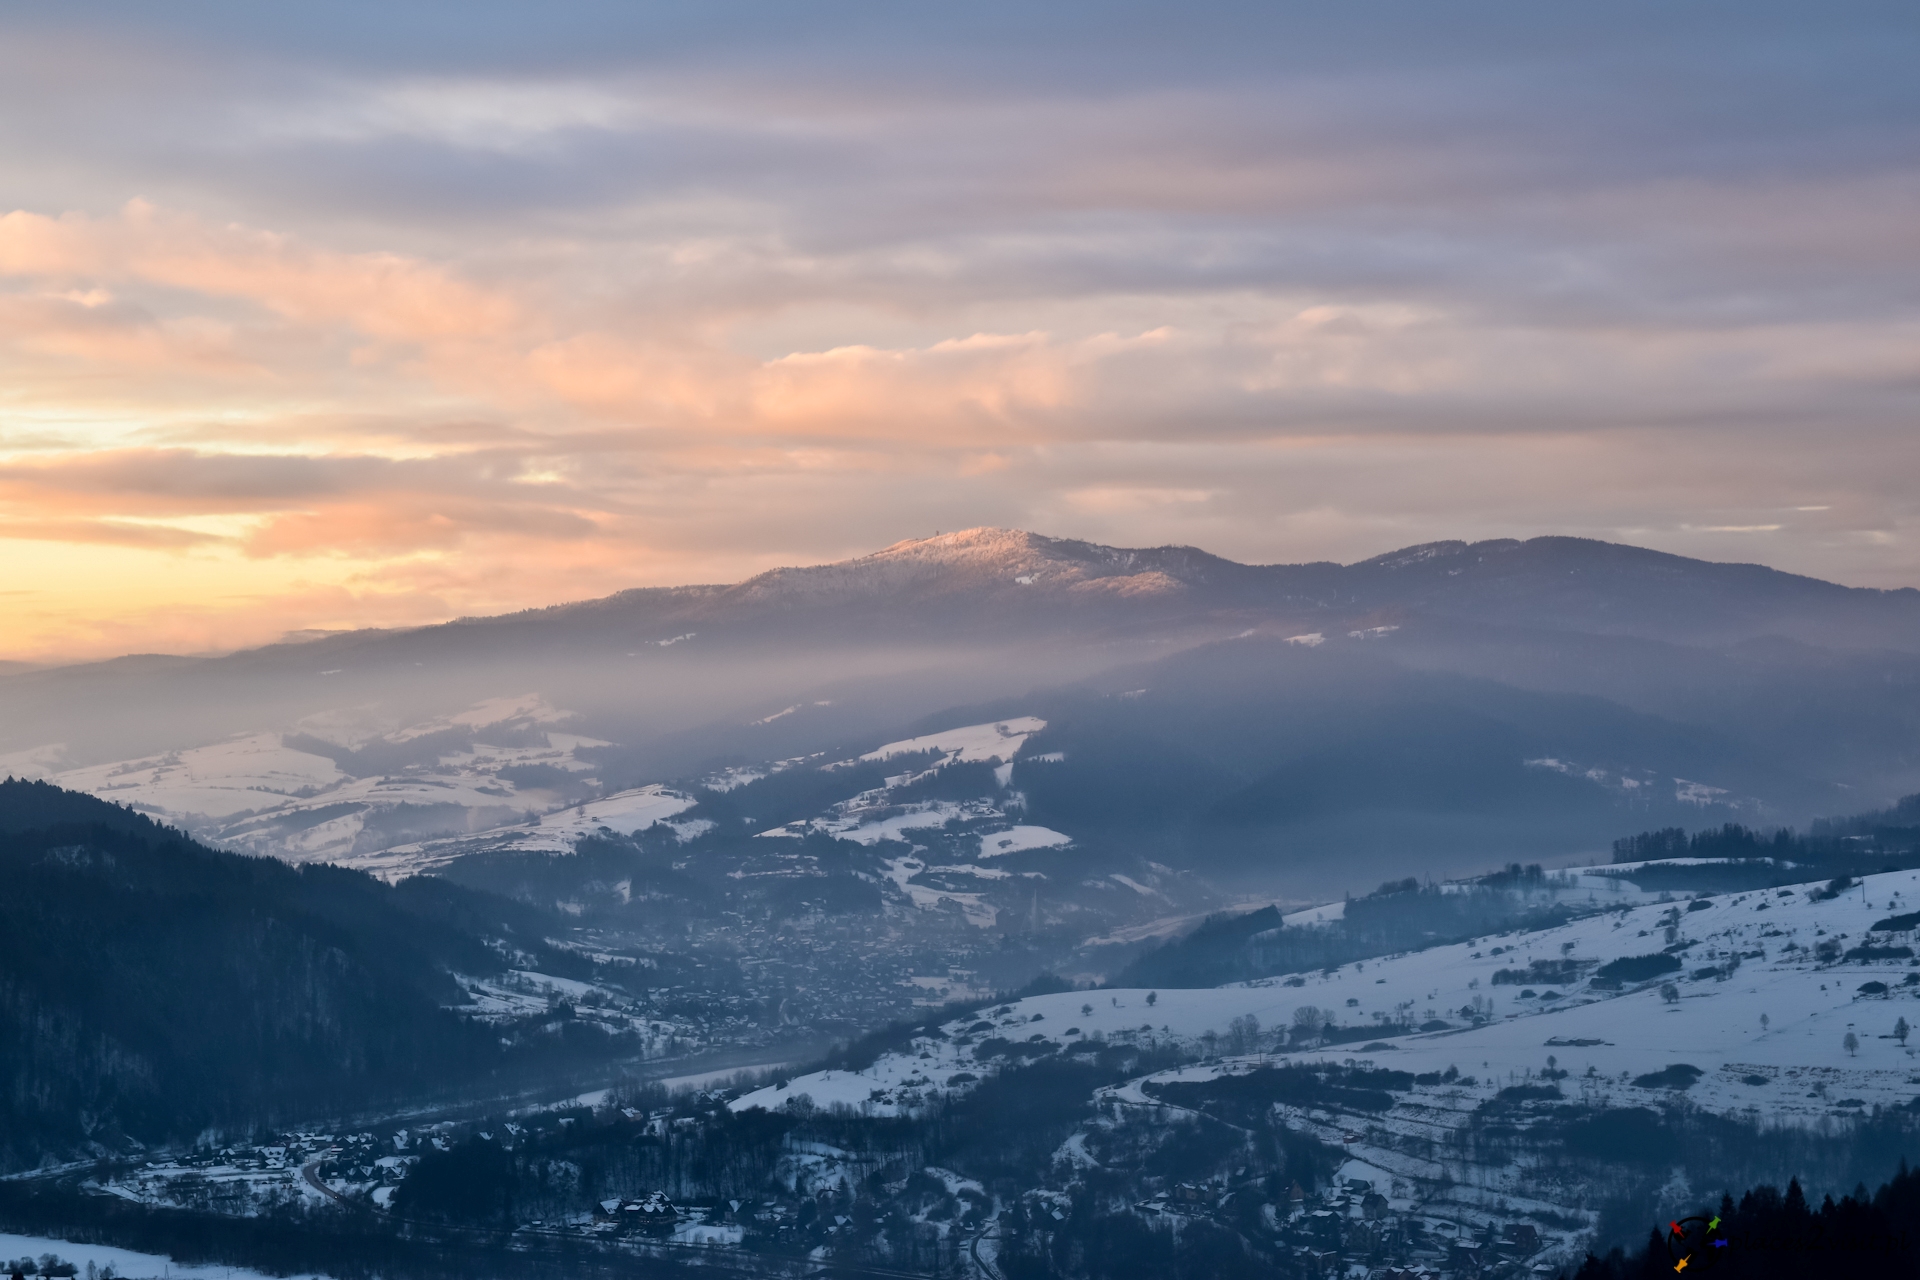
point(1426, 710)
point(987, 583)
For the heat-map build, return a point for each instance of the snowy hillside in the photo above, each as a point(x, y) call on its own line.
point(623, 813)
point(1782, 1002)
point(1770, 940)
point(343, 787)
point(506, 778)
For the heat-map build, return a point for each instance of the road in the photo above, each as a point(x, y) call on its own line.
point(311, 1172)
point(987, 1269)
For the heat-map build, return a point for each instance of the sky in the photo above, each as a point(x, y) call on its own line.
point(353, 314)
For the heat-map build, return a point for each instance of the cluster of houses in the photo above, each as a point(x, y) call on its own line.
point(1355, 1233)
point(652, 1214)
point(1352, 1231)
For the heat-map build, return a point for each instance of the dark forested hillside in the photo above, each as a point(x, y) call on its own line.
point(151, 988)
point(1769, 1236)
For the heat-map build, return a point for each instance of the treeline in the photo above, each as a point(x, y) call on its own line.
point(1405, 915)
point(1729, 841)
point(1401, 915)
point(1852, 844)
point(152, 989)
point(1770, 1236)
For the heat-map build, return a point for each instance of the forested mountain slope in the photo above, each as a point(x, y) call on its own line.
point(151, 988)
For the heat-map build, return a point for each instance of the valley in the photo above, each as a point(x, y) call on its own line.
point(1255, 924)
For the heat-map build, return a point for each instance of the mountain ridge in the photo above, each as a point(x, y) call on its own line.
point(674, 680)
point(1004, 573)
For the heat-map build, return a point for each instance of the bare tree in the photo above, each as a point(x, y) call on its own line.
point(1852, 1044)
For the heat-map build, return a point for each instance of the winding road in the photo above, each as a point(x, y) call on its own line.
point(311, 1172)
point(987, 1269)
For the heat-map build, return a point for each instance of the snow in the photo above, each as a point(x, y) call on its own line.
point(570, 987)
point(728, 779)
point(44, 761)
point(900, 871)
point(255, 793)
point(1144, 891)
point(496, 711)
point(707, 1079)
point(624, 813)
point(823, 1088)
point(241, 775)
point(1019, 839)
point(1326, 914)
point(937, 813)
point(627, 812)
point(136, 1266)
point(955, 1183)
point(936, 990)
point(1622, 868)
point(1168, 926)
point(1698, 793)
point(1714, 1026)
point(1380, 1178)
point(1000, 740)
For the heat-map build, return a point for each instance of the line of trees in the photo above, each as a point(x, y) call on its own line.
point(1775, 1236)
point(1864, 837)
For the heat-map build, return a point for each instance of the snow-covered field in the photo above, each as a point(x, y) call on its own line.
point(241, 775)
point(1020, 838)
point(1000, 740)
point(1767, 1018)
point(624, 813)
point(125, 1262)
point(1772, 1034)
point(341, 785)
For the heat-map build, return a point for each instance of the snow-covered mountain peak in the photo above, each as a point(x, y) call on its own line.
point(987, 561)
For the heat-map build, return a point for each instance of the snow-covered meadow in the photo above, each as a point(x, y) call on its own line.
point(127, 1263)
point(1772, 1033)
point(1766, 1020)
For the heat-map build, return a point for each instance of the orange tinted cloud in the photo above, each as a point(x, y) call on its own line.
point(381, 295)
point(319, 437)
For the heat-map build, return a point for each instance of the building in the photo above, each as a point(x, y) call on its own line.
point(651, 1214)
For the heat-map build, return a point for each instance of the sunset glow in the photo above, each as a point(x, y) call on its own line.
point(298, 335)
